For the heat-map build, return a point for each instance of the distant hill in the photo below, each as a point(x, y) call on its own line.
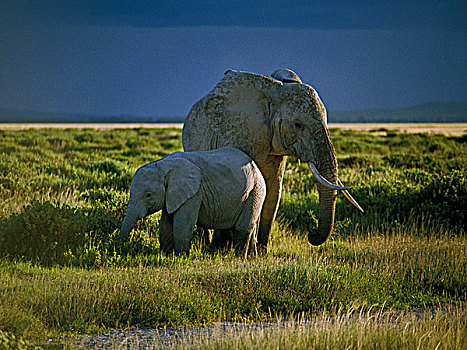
point(433, 112)
point(442, 112)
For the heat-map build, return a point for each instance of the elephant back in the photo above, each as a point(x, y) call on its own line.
point(235, 113)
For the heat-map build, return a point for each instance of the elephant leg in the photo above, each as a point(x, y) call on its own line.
point(215, 240)
point(166, 237)
point(204, 235)
point(253, 243)
point(221, 240)
point(273, 172)
point(185, 219)
point(245, 242)
point(242, 240)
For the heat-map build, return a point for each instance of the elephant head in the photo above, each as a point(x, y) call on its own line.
point(167, 183)
point(267, 117)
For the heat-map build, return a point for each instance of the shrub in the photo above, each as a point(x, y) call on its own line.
point(445, 197)
point(297, 213)
point(415, 195)
point(43, 232)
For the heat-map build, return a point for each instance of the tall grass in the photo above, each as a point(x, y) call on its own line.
point(442, 329)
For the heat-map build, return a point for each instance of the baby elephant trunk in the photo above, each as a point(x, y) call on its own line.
point(129, 223)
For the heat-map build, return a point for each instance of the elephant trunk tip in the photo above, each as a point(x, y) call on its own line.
point(316, 239)
point(127, 226)
point(121, 238)
point(123, 235)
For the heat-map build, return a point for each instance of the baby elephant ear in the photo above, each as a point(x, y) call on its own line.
point(183, 181)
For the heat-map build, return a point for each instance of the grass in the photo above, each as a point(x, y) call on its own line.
point(443, 330)
point(64, 193)
point(347, 275)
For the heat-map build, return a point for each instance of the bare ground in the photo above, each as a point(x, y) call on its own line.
point(450, 129)
point(173, 338)
point(99, 126)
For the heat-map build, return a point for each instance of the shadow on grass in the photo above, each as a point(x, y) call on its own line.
point(53, 234)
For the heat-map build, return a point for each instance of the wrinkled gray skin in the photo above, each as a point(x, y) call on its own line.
point(269, 119)
point(221, 189)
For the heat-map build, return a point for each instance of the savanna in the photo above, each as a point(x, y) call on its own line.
point(393, 277)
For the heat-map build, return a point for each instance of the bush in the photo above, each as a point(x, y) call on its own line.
point(43, 232)
point(445, 197)
point(298, 213)
point(416, 195)
point(48, 234)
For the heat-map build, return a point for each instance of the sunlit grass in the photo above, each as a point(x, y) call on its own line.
point(444, 328)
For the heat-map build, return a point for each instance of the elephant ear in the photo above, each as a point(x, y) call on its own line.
point(238, 112)
point(286, 76)
point(183, 181)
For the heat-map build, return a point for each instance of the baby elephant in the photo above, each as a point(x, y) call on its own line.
point(220, 189)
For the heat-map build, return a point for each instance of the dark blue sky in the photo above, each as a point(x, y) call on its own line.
point(159, 57)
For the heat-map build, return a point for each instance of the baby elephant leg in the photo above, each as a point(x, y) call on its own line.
point(221, 240)
point(245, 242)
point(166, 236)
point(245, 235)
point(184, 223)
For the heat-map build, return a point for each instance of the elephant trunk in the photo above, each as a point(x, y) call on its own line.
point(327, 207)
point(128, 224)
point(327, 195)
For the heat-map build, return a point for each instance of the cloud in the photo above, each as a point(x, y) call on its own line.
point(387, 15)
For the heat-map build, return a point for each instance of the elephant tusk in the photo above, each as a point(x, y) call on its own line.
point(324, 181)
point(350, 198)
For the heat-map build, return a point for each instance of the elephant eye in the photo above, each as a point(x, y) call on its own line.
point(298, 125)
point(148, 195)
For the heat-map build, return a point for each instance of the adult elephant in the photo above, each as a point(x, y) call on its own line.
point(270, 119)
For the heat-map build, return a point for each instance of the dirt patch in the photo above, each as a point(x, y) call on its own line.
point(170, 338)
point(98, 126)
point(450, 129)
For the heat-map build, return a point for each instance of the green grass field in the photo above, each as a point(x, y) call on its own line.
point(63, 196)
